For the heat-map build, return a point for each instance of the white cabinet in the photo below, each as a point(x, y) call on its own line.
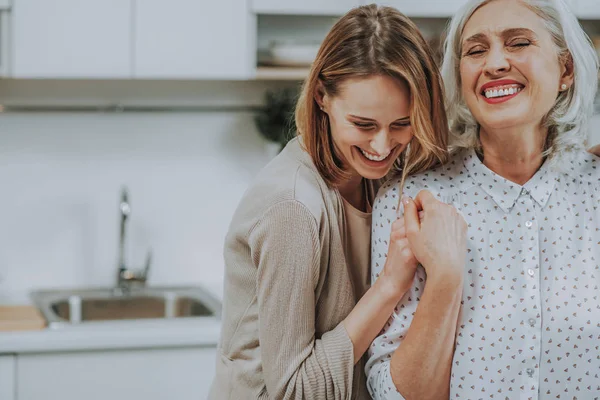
point(153, 374)
point(588, 9)
point(4, 37)
point(429, 8)
point(194, 39)
point(7, 377)
point(305, 7)
point(71, 39)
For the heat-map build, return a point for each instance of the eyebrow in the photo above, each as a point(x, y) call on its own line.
point(482, 37)
point(407, 118)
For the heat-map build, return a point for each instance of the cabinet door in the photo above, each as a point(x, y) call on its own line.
point(193, 39)
point(588, 9)
point(429, 8)
point(71, 39)
point(305, 7)
point(4, 41)
point(7, 377)
point(153, 374)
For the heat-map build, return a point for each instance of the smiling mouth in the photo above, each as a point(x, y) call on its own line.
point(379, 158)
point(502, 91)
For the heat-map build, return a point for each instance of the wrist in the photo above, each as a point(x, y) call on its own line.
point(390, 290)
point(448, 282)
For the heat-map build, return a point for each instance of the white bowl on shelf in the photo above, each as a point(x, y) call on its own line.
point(291, 54)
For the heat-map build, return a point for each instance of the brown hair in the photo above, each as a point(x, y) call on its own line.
point(371, 40)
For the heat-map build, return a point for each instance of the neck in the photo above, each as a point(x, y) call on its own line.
point(351, 190)
point(514, 153)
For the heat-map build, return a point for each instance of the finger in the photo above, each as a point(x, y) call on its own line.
point(595, 150)
point(424, 199)
point(421, 215)
point(411, 217)
point(398, 225)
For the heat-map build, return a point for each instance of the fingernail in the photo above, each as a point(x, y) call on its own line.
point(405, 200)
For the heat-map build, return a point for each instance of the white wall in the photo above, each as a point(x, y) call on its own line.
point(60, 177)
point(594, 137)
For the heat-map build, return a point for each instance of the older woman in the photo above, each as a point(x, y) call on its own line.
point(514, 311)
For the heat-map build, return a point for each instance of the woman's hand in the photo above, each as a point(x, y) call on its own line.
point(438, 240)
point(401, 264)
point(595, 150)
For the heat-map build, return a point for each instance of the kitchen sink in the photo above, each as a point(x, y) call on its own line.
point(87, 306)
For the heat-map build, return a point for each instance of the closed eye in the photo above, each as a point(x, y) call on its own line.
point(475, 51)
point(520, 44)
point(363, 125)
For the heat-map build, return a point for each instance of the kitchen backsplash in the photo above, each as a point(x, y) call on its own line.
point(61, 177)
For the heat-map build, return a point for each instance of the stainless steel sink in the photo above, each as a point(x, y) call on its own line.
point(68, 307)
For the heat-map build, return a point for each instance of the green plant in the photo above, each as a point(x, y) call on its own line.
point(275, 121)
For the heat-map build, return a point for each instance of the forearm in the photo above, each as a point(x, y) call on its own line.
point(370, 314)
point(420, 367)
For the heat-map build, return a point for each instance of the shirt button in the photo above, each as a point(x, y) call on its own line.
point(532, 322)
point(530, 272)
point(529, 372)
point(528, 224)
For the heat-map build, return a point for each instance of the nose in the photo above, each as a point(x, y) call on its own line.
point(496, 62)
point(380, 142)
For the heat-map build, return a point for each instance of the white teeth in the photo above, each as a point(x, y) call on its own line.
point(375, 158)
point(501, 92)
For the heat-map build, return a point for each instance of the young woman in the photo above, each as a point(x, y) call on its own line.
point(298, 310)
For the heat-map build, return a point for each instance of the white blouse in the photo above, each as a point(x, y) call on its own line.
point(529, 325)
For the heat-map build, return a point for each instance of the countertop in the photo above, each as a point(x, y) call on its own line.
point(196, 332)
point(111, 336)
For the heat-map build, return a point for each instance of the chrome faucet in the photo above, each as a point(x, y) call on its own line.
point(127, 277)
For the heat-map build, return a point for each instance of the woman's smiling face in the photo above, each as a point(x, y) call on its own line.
point(370, 123)
point(510, 69)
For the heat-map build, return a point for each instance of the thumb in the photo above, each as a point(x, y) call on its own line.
point(411, 217)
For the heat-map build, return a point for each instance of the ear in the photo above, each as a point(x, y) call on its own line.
point(567, 70)
point(320, 96)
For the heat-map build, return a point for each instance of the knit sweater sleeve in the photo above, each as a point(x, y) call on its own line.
point(296, 364)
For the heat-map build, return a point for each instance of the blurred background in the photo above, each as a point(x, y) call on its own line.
point(129, 130)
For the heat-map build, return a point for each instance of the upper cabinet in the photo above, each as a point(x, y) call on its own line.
point(183, 39)
point(429, 8)
point(305, 7)
point(589, 9)
point(4, 37)
point(123, 39)
point(71, 39)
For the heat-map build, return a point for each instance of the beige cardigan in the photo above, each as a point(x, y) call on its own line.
point(287, 289)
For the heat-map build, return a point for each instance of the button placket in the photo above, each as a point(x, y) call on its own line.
point(532, 303)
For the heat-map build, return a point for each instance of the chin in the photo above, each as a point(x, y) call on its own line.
point(373, 175)
point(505, 120)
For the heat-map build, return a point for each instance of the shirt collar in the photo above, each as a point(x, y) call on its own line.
point(504, 192)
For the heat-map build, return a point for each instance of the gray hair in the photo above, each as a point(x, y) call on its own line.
point(568, 120)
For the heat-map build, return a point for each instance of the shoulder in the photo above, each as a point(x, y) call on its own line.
point(442, 181)
point(583, 168)
point(287, 182)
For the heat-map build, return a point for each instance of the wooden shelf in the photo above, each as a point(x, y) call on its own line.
point(281, 73)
